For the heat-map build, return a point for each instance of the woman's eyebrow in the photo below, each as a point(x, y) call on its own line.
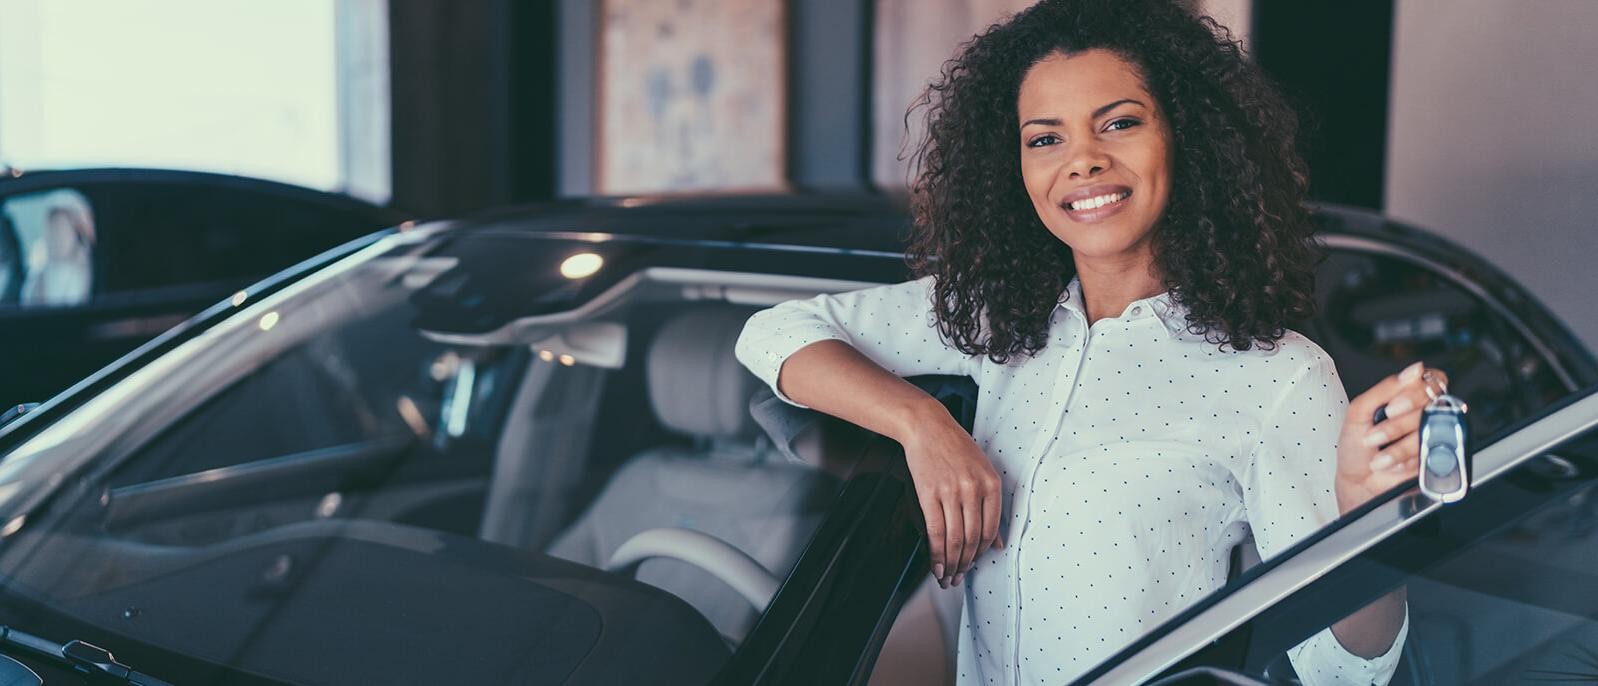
point(1051, 121)
point(1100, 111)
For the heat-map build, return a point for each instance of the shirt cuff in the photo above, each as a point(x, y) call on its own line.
point(762, 348)
point(1323, 661)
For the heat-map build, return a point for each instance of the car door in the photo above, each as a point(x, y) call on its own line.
point(830, 618)
point(95, 262)
point(1500, 586)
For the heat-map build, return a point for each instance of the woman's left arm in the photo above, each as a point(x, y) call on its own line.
point(1312, 465)
point(1372, 458)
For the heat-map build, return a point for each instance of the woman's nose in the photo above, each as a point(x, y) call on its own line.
point(1087, 161)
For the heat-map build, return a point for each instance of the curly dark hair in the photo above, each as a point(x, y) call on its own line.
point(1234, 245)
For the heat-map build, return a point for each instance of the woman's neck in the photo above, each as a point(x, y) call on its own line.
point(1109, 286)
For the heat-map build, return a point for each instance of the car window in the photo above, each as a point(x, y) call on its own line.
point(130, 235)
point(166, 234)
point(1378, 312)
point(592, 489)
point(47, 257)
point(1499, 588)
point(372, 380)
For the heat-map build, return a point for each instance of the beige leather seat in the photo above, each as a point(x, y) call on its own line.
point(729, 483)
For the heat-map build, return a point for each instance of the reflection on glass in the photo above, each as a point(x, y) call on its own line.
point(1500, 586)
point(54, 236)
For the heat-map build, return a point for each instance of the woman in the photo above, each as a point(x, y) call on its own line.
point(60, 266)
point(1110, 237)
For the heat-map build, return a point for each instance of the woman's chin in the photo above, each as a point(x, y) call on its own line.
point(1086, 245)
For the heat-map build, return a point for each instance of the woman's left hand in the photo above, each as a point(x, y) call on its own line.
point(1372, 458)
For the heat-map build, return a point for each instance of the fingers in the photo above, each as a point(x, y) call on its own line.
point(991, 505)
point(1393, 458)
point(1394, 428)
point(954, 540)
point(932, 513)
point(971, 515)
point(1395, 435)
point(1361, 409)
point(962, 521)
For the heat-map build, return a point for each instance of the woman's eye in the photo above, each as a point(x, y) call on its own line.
point(1122, 124)
point(1040, 141)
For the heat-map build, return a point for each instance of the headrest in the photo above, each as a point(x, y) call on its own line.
point(696, 385)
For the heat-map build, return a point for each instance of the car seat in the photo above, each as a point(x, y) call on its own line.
point(729, 483)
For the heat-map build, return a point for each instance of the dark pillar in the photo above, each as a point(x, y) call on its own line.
point(472, 90)
point(1334, 61)
point(829, 94)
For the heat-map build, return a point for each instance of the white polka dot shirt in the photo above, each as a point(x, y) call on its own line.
point(1134, 456)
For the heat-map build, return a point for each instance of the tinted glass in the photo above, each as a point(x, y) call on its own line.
point(387, 449)
point(167, 234)
point(1499, 586)
point(1378, 313)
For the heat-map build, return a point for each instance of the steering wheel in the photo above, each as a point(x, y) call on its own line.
point(718, 557)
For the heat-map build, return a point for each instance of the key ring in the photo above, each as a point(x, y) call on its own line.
point(1429, 379)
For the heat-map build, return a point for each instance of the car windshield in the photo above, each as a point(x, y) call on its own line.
point(450, 458)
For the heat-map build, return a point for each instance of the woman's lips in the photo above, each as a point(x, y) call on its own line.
point(1097, 214)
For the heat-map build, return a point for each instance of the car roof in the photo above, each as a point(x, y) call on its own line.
point(880, 223)
point(841, 221)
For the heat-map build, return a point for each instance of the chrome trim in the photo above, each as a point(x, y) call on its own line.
point(1453, 275)
point(1343, 545)
point(606, 237)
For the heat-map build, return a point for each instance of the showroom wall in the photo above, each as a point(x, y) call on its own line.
point(1492, 143)
point(853, 66)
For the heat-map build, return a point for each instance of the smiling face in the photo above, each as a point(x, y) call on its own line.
point(1096, 155)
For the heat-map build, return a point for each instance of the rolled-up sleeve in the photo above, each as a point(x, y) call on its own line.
point(1287, 492)
point(892, 325)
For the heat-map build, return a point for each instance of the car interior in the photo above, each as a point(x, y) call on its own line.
point(628, 449)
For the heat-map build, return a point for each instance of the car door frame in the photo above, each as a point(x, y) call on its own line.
point(1331, 548)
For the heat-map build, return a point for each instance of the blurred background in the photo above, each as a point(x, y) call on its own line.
point(1467, 117)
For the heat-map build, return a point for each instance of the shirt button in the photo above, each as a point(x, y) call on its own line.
point(1137, 310)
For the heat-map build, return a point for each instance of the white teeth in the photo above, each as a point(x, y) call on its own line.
point(1099, 201)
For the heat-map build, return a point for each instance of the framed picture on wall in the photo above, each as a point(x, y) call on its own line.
point(691, 96)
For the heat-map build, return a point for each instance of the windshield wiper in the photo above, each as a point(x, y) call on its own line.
point(83, 657)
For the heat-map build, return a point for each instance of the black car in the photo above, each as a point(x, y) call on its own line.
point(94, 262)
point(518, 449)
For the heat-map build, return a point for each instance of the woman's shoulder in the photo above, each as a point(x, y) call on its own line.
point(1291, 353)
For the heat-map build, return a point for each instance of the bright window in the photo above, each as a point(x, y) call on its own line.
point(234, 86)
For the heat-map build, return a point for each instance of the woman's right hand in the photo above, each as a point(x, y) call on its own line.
point(959, 494)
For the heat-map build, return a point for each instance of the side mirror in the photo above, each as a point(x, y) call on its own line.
point(12, 413)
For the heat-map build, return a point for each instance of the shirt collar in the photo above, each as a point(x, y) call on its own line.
point(1162, 307)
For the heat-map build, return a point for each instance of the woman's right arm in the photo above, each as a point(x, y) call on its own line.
point(844, 355)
